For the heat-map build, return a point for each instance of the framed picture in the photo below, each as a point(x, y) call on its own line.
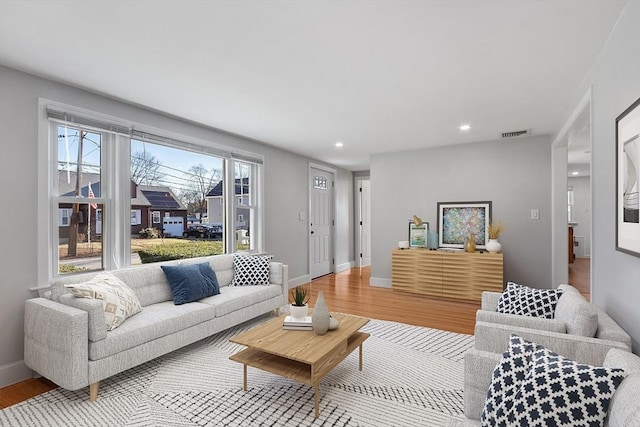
point(628, 180)
point(418, 234)
point(457, 220)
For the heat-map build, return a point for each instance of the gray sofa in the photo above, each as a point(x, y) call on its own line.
point(66, 339)
point(624, 409)
point(579, 330)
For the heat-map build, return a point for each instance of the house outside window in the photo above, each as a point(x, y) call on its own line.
point(156, 217)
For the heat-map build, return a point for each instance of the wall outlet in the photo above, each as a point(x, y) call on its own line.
point(535, 213)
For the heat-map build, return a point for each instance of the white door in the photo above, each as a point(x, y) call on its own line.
point(365, 222)
point(320, 222)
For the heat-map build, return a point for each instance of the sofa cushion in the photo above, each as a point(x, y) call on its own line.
point(155, 321)
point(222, 264)
point(148, 282)
point(580, 317)
point(559, 391)
point(508, 374)
point(234, 298)
point(191, 282)
point(525, 301)
point(119, 302)
point(251, 270)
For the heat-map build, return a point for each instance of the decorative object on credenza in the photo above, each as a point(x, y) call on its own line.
point(418, 232)
point(495, 230)
point(470, 243)
point(432, 240)
point(320, 316)
point(457, 220)
point(299, 299)
point(403, 244)
point(628, 180)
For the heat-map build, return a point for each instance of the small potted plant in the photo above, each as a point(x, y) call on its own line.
point(299, 300)
point(495, 230)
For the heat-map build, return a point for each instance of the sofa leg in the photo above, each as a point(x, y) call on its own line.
point(277, 310)
point(93, 391)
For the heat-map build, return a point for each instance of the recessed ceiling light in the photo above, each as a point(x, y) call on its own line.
point(339, 144)
point(465, 127)
point(575, 173)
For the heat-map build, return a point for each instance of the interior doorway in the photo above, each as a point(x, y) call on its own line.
point(579, 200)
point(363, 222)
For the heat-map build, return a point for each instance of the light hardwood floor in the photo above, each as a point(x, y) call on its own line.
point(346, 292)
point(580, 276)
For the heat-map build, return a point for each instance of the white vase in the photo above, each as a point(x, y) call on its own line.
point(493, 246)
point(320, 316)
point(299, 312)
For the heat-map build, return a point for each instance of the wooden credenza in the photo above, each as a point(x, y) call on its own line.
point(458, 275)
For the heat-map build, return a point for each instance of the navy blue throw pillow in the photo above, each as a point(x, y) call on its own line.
point(191, 282)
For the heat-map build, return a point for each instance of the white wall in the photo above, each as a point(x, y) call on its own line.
point(515, 175)
point(582, 207)
point(286, 194)
point(615, 83)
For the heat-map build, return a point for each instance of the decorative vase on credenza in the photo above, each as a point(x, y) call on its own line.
point(493, 246)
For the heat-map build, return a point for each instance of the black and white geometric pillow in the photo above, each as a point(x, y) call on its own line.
point(507, 378)
point(559, 391)
point(251, 270)
point(510, 292)
point(525, 301)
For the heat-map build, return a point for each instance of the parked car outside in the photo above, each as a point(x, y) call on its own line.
point(203, 231)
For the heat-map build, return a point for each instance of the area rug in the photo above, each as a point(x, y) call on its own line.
point(412, 376)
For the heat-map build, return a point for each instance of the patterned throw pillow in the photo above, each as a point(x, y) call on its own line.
point(507, 378)
point(118, 300)
point(251, 270)
point(559, 391)
point(525, 301)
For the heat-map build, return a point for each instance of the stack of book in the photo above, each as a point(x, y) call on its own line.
point(297, 324)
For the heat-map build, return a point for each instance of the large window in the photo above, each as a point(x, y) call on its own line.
point(130, 195)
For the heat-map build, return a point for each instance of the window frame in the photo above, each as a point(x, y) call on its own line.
point(115, 180)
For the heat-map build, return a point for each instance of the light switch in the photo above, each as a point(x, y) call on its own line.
point(301, 216)
point(535, 213)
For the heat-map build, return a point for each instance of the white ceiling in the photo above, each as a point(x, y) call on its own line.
point(380, 76)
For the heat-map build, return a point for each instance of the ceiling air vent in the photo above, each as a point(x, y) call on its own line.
point(516, 133)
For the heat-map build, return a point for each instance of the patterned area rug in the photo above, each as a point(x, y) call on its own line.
point(412, 376)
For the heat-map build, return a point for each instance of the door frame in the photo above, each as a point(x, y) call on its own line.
point(559, 182)
point(332, 236)
point(358, 219)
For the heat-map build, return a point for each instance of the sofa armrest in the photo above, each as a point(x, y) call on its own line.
point(494, 337)
point(279, 275)
point(490, 300)
point(478, 371)
point(97, 323)
point(56, 342)
point(543, 324)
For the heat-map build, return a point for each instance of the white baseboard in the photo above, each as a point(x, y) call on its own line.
point(14, 372)
point(344, 266)
point(297, 281)
point(380, 282)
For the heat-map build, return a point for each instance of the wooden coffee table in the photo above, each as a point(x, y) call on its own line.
point(302, 356)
